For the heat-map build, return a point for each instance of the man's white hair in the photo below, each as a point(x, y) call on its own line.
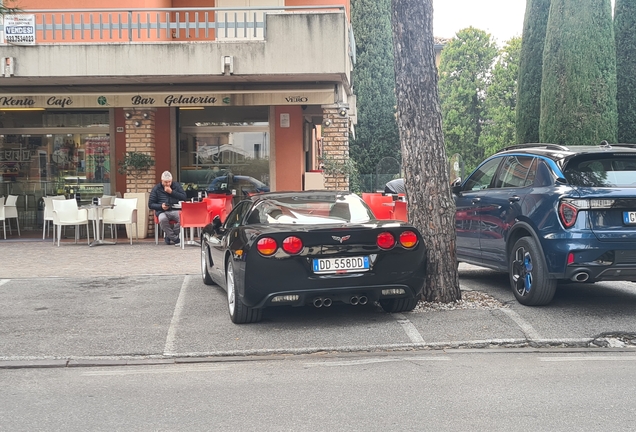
point(166, 175)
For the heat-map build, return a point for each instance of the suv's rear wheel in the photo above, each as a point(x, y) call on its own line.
point(529, 278)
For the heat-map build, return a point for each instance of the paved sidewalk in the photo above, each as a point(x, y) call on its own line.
point(31, 258)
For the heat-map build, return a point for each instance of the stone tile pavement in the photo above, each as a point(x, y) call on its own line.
point(32, 258)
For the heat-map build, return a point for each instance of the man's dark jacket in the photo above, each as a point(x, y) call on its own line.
point(159, 196)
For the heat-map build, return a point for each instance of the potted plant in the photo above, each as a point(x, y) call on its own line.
point(136, 164)
point(340, 169)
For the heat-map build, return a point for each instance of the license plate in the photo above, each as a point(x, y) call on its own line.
point(341, 265)
point(629, 217)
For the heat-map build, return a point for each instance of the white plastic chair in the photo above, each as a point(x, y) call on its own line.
point(48, 213)
point(11, 212)
point(124, 213)
point(66, 212)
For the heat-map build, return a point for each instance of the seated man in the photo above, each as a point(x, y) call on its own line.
point(162, 199)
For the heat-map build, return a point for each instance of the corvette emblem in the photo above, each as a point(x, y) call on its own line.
point(341, 239)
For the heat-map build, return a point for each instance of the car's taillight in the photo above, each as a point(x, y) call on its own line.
point(292, 245)
point(568, 213)
point(266, 246)
point(408, 239)
point(385, 240)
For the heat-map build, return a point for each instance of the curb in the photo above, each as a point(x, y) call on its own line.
point(271, 354)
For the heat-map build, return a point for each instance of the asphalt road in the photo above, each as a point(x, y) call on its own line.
point(472, 390)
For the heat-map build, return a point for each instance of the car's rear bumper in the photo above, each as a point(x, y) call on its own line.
point(266, 278)
point(593, 260)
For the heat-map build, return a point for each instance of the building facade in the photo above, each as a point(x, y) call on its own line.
point(252, 93)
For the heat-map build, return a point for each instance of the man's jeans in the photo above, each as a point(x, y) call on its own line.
point(171, 230)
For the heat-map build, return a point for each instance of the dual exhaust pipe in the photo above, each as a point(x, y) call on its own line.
point(355, 300)
point(320, 302)
point(326, 301)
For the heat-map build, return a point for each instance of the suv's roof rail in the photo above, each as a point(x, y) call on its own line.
point(547, 146)
point(624, 145)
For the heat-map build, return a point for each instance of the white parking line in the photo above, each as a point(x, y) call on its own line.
point(411, 331)
point(527, 329)
point(4, 281)
point(176, 316)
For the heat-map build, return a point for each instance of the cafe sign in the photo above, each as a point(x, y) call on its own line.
point(153, 100)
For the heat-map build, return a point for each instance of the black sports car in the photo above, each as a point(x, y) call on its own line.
point(311, 248)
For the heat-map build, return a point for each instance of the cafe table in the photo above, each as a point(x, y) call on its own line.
point(96, 214)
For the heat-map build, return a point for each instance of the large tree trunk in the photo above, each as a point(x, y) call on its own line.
point(431, 207)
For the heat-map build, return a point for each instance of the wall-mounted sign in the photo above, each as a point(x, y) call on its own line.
point(322, 96)
point(284, 120)
point(19, 30)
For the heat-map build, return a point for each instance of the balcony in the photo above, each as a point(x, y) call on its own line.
point(182, 46)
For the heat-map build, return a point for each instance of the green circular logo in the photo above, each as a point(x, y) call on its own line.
point(102, 100)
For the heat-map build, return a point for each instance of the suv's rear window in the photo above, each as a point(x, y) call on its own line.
point(602, 171)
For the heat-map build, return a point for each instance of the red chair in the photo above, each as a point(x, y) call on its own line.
point(193, 215)
point(400, 211)
point(381, 205)
point(158, 227)
point(368, 196)
point(218, 206)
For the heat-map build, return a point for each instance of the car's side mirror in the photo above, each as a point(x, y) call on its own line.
point(456, 186)
point(216, 224)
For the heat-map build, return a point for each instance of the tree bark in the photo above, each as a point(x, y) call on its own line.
point(431, 207)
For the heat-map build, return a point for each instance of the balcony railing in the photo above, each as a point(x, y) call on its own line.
point(163, 24)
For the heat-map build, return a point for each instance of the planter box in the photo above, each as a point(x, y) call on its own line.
point(143, 213)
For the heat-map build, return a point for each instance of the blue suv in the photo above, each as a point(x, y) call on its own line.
point(545, 213)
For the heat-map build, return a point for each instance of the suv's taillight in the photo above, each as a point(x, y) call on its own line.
point(568, 213)
point(569, 208)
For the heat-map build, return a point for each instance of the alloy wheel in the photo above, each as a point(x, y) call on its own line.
point(231, 297)
point(522, 271)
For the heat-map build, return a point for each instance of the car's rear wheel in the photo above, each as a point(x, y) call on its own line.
point(529, 278)
point(239, 313)
point(398, 305)
point(205, 273)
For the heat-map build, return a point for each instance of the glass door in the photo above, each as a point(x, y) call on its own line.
point(225, 159)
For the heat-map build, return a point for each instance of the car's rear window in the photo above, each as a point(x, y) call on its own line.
point(304, 210)
point(617, 170)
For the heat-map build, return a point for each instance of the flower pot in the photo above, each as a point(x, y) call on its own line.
point(143, 213)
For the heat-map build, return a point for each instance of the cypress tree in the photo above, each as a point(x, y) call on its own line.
point(578, 88)
point(530, 69)
point(624, 24)
point(374, 80)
